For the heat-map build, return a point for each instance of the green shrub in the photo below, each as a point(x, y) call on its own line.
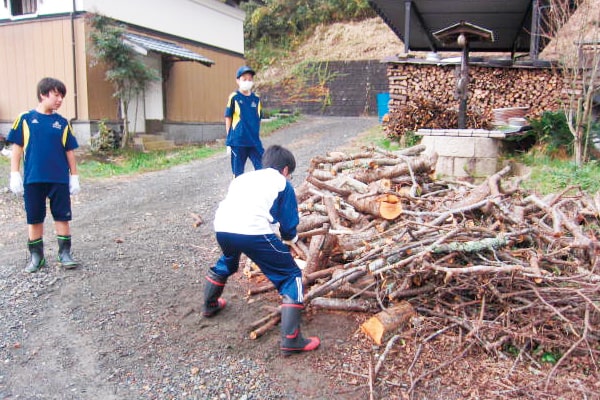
point(106, 141)
point(410, 139)
point(552, 134)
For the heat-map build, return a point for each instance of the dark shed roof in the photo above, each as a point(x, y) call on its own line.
point(415, 21)
point(169, 48)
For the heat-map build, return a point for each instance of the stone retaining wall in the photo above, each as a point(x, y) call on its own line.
point(335, 88)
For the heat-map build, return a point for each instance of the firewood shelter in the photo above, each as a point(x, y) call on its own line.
point(515, 24)
point(464, 26)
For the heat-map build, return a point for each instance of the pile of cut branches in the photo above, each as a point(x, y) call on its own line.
point(502, 267)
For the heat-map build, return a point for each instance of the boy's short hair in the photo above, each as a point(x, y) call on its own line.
point(46, 85)
point(279, 157)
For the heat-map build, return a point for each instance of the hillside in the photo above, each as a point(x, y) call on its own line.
point(370, 39)
point(582, 26)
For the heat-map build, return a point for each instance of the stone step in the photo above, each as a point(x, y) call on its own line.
point(159, 145)
point(147, 137)
point(153, 142)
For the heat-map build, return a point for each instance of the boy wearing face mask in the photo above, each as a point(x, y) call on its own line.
point(242, 123)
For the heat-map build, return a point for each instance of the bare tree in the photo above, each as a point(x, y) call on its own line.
point(574, 30)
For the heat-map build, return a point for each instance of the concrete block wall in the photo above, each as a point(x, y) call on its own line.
point(464, 157)
point(182, 133)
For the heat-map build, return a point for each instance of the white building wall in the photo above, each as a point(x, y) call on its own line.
point(205, 21)
point(148, 105)
point(154, 93)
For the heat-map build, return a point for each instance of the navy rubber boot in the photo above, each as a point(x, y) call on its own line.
point(292, 340)
point(64, 252)
point(213, 288)
point(36, 248)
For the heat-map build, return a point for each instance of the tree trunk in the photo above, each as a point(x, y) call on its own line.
point(125, 140)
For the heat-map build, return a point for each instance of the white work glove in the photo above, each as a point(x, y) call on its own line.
point(74, 187)
point(228, 150)
point(16, 183)
point(291, 241)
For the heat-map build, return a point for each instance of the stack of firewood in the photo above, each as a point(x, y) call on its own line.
point(379, 234)
point(425, 113)
point(424, 95)
point(489, 87)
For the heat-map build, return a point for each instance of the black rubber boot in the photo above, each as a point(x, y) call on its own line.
point(36, 248)
point(212, 290)
point(292, 340)
point(64, 252)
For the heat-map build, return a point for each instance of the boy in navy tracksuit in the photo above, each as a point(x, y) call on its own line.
point(242, 123)
point(44, 140)
point(255, 202)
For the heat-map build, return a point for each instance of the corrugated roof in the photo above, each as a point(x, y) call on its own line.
point(509, 20)
point(169, 48)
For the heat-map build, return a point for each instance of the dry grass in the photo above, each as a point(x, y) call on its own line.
point(370, 39)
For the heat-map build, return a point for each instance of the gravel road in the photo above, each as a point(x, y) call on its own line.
point(127, 324)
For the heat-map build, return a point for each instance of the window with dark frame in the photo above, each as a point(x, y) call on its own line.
point(22, 7)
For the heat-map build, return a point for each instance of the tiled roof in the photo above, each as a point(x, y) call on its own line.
point(169, 48)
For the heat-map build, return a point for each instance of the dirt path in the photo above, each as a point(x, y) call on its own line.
point(127, 325)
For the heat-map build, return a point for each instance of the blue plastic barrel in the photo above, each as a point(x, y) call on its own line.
point(383, 100)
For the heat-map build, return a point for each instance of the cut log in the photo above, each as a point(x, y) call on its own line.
point(356, 186)
point(331, 209)
point(312, 221)
point(389, 206)
point(387, 322)
point(324, 273)
point(347, 211)
point(338, 304)
point(489, 187)
point(404, 293)
point(353, 291)
point(258, 332)
point(267, 287)
point(356, 241)
point(385, 206)
point(313, 259)
point(418, 164)
point(323, 175)
point(265, 319)
point(337, 157)
point(311, 233)
point(303, 191)
point(327, 186)
point(380, 186)
point(300, 250)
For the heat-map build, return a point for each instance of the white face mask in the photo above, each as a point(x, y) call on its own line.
point(246, 86)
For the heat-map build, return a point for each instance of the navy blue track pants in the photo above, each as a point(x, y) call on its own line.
point(272, 256)
point(239, 155)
